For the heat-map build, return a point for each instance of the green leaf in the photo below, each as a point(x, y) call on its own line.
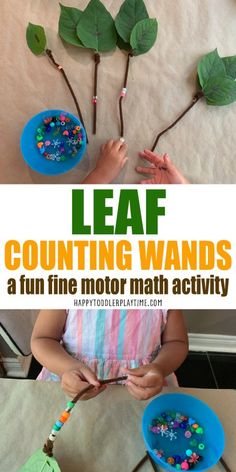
point(130, 13)
point(211, 65)
point(40, 462)
point(122, 45)
point(220, 91)
point(36, 38)
point(68, 21)
point(143, 36)
point(230, 66)
point(96, 28)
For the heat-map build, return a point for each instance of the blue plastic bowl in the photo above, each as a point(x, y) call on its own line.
point(191, 407)
point(30, 151)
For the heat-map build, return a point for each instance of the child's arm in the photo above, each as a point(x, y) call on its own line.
point(147, 381)
point(112, 158)
point(162, 171)
point(46, 347)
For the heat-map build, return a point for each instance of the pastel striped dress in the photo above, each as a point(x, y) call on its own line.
point(108, 340)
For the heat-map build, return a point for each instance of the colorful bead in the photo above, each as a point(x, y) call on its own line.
point(61, 147)
point(165, 424)
point(191, 421)
point(52, 437)
point(201, 446)
point(160, 453)
point(199, 430)
point(194, 458)
point(55, 432)
point(177, 459)
point(59, 424)
point(56, 428)
point(65, 414)
point(184, 465)
point(183, 425)
point(70, 405)
point(193, 442)
point(123, 92)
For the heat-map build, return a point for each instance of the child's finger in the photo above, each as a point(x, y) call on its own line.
point(94, 392)
point(137, 371)
point(146, 170)
point(109, 143)
point(148, 181)
point(168, 162)
point(124, 148)
point(90, 376)
point(124, 162)
point(117, 145)
point(147, 381)
point(140, 393)
point(151, 157)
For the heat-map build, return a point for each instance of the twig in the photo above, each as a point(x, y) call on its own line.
point(95, 96)
point(154, 465)
point(140, 463)
point(60, 68)
point(194, 101)
point(226, 467)
point(123, 94)
point(48, 446)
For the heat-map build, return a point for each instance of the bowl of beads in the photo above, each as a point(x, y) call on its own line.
point(182, 433)
point(53, 142)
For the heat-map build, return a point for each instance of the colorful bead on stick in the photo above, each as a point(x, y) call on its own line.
point(48, 446)
point(123, 92)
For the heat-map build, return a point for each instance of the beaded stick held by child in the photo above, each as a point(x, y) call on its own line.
point(44, 457)
point(79, 347)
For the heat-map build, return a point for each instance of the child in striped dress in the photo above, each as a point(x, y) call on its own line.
point(78, 347)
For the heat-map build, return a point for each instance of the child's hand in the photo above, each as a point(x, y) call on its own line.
point(163, 171)
point(75, 380)
point(144, 382)
point(112, 159)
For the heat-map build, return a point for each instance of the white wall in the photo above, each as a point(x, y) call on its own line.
point(211, 321)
